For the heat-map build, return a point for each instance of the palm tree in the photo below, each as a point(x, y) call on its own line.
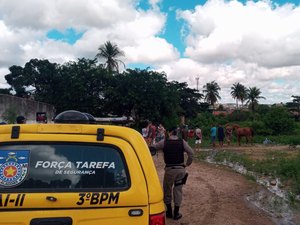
point(110, 51)
point(253, 95)
point(244, 94)
point(238, 92)
point(211, 91)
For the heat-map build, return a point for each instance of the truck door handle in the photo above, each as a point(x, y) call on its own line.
point(51, 198)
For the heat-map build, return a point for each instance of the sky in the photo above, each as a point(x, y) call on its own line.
point(255, 43)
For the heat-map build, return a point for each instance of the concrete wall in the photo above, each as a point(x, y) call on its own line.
point(25, 107)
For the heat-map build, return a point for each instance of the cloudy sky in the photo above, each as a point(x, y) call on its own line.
point(256, 43)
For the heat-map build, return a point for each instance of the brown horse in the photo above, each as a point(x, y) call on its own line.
point(246, 132)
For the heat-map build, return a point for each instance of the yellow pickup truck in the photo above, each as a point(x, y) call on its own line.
point(76, 173)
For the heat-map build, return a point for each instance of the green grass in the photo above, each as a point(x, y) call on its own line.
point(258, 139)
point(276, 164)
point(281, 139)
point(202, 155)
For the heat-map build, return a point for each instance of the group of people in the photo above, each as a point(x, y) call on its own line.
point(153, 133)
point(218, 132)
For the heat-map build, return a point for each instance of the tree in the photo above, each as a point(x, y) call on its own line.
point(147, 95)
point(296, 100)
point(86, 85)
point(211, 91)
point(5, 91)
point(139, 93)
point(189, 99)
point(78, 85)
point(238, 92)
point(254, 94)
point(38, 79)
point(294, 106)
point(18, 81)
point(279, 120)
point(42, 80)
point(110, 52)
point(10, 115)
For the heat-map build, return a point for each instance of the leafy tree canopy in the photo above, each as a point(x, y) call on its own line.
point(88, 87)
point(279, 120)
point(6, 91)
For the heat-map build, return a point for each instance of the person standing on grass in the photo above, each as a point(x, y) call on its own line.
point(198, 138)
point(221, 135)
point(228, 131)
point(213, 134)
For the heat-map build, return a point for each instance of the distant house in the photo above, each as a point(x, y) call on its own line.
point(229, 106)
point(220, 113)
point(25, 107)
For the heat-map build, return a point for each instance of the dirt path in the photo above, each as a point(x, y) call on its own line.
point(216, 195)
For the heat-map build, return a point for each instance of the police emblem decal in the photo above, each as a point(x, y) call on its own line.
point(13, 167)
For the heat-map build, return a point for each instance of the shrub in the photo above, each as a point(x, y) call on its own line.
point(279, 121)
point(10, 115)
point(238, 115)
point(260, 128)
point(203, 120)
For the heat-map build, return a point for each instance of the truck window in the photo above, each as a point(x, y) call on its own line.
point(62, 167)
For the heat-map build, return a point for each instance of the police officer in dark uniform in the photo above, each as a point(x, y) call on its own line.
point(175, 174)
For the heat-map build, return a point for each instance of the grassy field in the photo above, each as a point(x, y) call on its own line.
point(277, 161)
point(280, 158)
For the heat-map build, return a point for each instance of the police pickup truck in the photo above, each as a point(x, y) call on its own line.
point(70, 173)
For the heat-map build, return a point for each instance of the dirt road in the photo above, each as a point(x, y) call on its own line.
point(215, 195)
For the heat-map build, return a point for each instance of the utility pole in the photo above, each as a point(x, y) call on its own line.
point(197, 79)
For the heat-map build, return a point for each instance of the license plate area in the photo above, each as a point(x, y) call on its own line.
point(52, 221)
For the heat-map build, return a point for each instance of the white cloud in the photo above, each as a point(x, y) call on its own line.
point(24, 25)
point(3, 84)
point(155, 4)
point(277, 85)
point(149, 51)
point(256, 43)
point(61, 14)
point(58, 52)
point(256, 33)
